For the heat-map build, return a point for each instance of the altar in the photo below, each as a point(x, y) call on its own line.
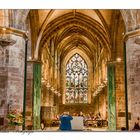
point(77, 123)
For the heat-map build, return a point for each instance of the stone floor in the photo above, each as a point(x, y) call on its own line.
point(86, 129)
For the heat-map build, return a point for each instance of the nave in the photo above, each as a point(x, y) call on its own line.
point(55, 61)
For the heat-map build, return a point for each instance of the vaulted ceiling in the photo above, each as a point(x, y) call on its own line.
point(101, 16)
point(69, 29)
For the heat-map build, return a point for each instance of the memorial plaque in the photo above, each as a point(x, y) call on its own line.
point(122, 114)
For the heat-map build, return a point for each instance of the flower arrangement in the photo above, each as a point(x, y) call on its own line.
point(15, 118)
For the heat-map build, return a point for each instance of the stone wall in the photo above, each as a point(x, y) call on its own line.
point(76, 108)
point(103, 104)
point(16, 73)
point(3, 93)
point(120, 95)
point(29, 93)
point(48, 113)
point(133, 78)
point(119, 75)
point(12, 77)
point(96, 104)
point(100, 104)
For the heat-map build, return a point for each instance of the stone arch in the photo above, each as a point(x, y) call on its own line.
point(102, 36)
point(130, 18)
point(20, 16)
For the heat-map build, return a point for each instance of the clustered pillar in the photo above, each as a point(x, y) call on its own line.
point(12, 76)
point(133, 77)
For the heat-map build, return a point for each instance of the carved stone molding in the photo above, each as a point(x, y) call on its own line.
point(132, 34)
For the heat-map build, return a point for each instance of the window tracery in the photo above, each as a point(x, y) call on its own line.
point(76, 80)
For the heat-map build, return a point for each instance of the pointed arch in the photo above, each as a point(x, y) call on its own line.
point(63, 73)
point(76, 80)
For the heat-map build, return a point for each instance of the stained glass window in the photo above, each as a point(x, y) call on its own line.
point(76, 80)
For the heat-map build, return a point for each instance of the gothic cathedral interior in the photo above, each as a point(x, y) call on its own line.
point(78, 61)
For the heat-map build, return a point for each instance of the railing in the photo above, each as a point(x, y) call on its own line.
point(93, 123)
point(96, 123)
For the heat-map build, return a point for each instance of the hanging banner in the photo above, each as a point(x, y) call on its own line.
point(37, 96)
point(111, 98)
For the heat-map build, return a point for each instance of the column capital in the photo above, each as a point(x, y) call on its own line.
point(34, 61)
point(14, 31)
point(131, 34)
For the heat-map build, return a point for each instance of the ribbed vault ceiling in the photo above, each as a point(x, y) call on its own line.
point(85, 29)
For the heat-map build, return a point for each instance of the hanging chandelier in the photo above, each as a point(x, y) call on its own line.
point(5, 38)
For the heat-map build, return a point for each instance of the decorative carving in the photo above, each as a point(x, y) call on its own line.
point(76, 77)
point(5, 38)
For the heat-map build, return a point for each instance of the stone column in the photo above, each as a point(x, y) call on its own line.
point(52, 98)
point(47, 97)
point(55, 105)
point(120, 95)
point(12, 75)
point(133, 75)
point(51, 103)
point(29, 94)
point(111, 97)
point(37, 95)
point(102, 102)
point(46, 109)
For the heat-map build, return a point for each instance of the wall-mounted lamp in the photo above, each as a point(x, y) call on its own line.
point(118, 59)
point(29, 58)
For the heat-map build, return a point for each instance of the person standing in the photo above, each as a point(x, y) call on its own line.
point(81, 114)
point(65, 120)
point(137, 125)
